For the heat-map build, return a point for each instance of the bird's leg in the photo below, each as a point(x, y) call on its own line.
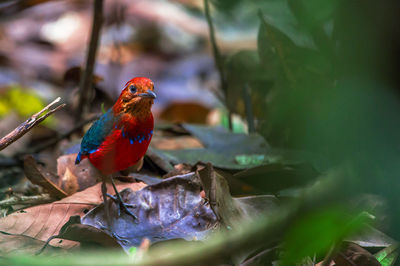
point(104, 193)
point(121, 203)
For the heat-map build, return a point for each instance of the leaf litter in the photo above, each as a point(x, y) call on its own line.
point(186, 206)
point(175, 209)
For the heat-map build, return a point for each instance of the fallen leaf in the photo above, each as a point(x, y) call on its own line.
point(274, 177)
point(43, 221)
point(85, 234)
point(24, 244)
point(185, 112)
point(175, 142)
point(221, 148)
point(39, 176)
point(70, 182)
point(370, 237)
point(217, 192)
point(353, 254)
point(232, 210)
point(167, 210)
point(160, 159)
point(75, 177)
point(180, 169)
point(388, 256)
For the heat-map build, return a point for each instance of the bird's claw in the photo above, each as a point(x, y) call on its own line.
point(123, 205)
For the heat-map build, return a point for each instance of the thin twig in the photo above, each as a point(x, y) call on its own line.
point(23, 128)
point(249, 108)
point(26, 200)
point(42, 146)
point(218, 59)
point(86, 81)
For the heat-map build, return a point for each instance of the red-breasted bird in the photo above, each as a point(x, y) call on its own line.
point(121, 136)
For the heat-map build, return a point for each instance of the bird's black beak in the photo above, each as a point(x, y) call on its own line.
point(148, 94)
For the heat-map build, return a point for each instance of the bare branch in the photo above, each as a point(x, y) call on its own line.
point(23, 128)
point(85, 86)
point(42, 146)
point(26, 200)
point(249, 108)
point(218, 59)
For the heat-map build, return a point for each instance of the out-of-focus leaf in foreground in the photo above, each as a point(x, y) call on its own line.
point(317, 232)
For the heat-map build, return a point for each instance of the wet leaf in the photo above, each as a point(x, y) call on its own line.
point(171, 209)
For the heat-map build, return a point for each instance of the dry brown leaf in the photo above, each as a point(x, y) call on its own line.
point(185, 112)
point(40, 176)
point(182, 169)
point(353, 254)
point(25, 244)
point(175, 143)
point(43, 221)
point(75, 177)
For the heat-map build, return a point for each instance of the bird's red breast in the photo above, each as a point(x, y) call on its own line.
point(120, 138)
point(124, 147)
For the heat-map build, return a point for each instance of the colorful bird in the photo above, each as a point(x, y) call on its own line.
point(121, 136)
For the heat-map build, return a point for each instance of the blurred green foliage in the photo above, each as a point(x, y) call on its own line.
point(323, 79)
point(24, 102)
point(317, 232)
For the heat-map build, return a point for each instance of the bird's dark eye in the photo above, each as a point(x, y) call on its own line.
point(132, 89)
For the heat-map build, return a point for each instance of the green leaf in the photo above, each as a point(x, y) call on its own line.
point(277, 14)
point(250, 159)
point(221, 147)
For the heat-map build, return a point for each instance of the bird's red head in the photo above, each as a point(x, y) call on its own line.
point(136, 98)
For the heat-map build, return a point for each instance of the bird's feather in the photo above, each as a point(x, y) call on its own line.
point(97, 133)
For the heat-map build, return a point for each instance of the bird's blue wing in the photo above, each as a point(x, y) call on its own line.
point(96, 134)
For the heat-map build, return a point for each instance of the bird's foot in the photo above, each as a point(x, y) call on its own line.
point(122, 205)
